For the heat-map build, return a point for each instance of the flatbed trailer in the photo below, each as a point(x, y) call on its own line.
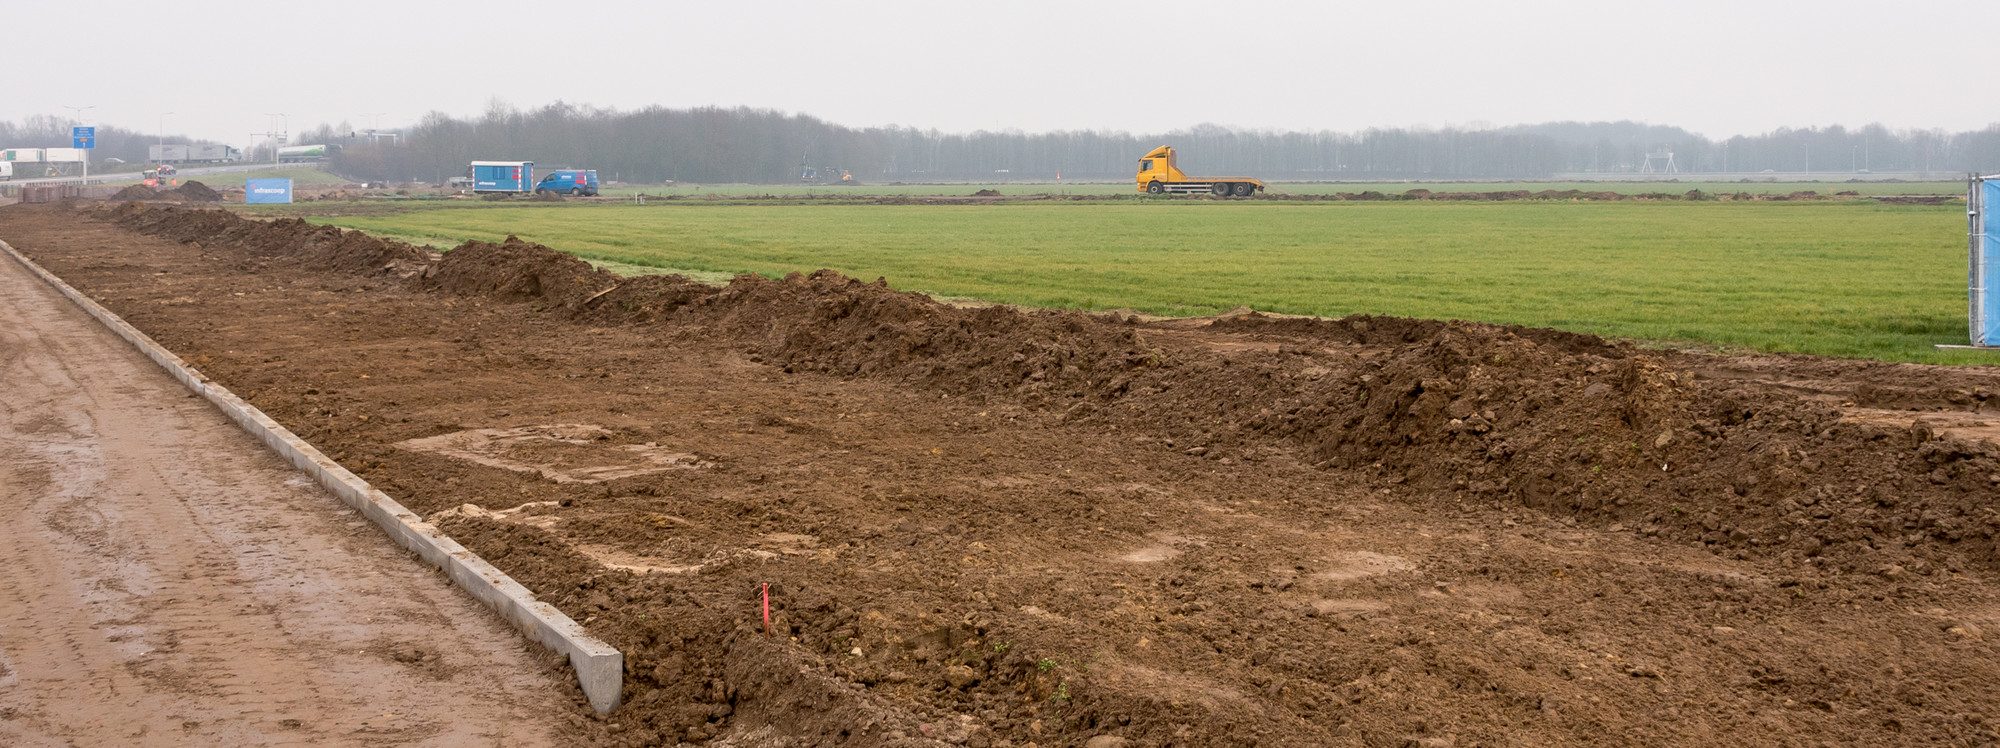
point(1160, 175)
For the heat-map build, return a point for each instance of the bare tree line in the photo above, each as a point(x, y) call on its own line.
point(742, 145)
point(718, 145)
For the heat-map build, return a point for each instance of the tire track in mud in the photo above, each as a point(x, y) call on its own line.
point(168, 582)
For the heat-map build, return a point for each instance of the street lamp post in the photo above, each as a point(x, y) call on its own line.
point(163, 126)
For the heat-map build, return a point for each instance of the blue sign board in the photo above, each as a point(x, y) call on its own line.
point(267, 191)
point(83, 136)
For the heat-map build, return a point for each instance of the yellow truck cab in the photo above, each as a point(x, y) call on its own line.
point(1159, 175)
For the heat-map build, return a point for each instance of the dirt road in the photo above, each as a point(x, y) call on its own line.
point(164, 580)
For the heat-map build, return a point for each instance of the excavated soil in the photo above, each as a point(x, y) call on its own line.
point(137, 192)
point(192, 192)
point(196, 192)
point(1001, 527)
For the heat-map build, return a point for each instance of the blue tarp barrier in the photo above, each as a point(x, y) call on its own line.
point(1985, 317)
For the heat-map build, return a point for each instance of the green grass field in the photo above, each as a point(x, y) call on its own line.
point(1849, 278)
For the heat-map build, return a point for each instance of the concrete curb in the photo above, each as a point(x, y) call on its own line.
point(600, 668)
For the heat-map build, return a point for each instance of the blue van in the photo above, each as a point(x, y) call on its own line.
point(573, 182)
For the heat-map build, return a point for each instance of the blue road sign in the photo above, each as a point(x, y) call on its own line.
point(84, 143)
point(267, 191)
point(83, 136)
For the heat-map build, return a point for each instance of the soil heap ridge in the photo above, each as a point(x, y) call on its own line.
point(136, 192)
point(1482, 411)
point(192, 192)
point(1557, 421)
point(514, 270)
point(829, 323)
point(321, 247)
point(196, 192)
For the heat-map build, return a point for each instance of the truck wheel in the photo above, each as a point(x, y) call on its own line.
point(1244, 189)
point(1155, 188)
point(1221, 189)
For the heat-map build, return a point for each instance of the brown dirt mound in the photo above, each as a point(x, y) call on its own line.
point(1369, 329)
point(321, 247)
point(514, 270)
point(986, 193)
point(1576, 427)
point(830, 323)
point(196, 192)
point(135, 192)
point(827, 322)
point(1558, 421)
point(645, 299)
point(1918, 199)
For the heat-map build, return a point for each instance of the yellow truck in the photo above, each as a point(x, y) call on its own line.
point(1159, 176)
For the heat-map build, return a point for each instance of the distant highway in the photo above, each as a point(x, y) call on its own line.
point(134, 177)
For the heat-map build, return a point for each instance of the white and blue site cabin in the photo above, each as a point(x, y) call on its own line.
point(503, 176)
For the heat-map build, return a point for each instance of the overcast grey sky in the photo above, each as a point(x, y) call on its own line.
point(1718, 68)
